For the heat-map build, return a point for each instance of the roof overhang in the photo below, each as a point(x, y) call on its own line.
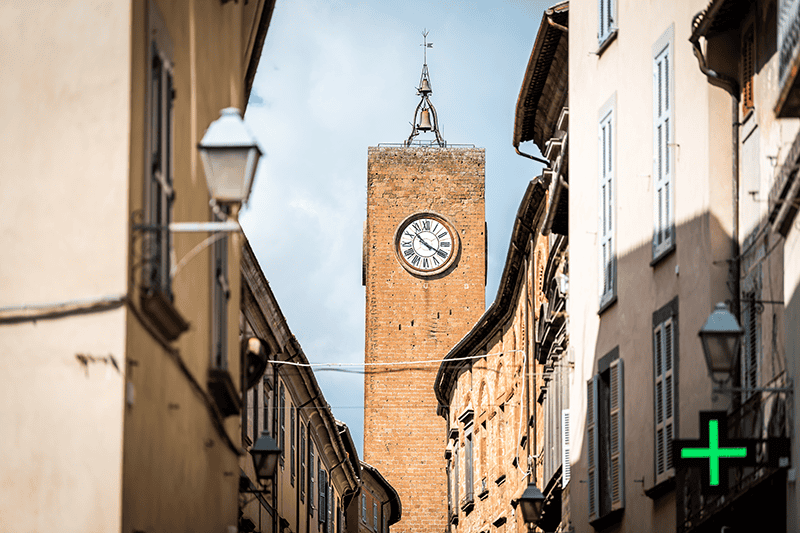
point(396, 508)
point(544, 87)
point(718, 17)
point(527, 224)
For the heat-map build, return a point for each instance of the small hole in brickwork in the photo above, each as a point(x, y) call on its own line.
point(451, 311)
point(399, 327)
point(437, 315)
point(412, 323)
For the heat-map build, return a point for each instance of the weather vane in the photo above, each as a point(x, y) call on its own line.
point(425, 110)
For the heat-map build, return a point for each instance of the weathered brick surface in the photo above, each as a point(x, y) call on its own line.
point(414, 318)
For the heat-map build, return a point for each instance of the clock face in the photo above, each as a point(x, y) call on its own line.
point(426, 243)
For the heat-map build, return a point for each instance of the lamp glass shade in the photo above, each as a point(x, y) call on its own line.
point(230, 155)
point(531, 503)
point(265, 453)
point(721, 337)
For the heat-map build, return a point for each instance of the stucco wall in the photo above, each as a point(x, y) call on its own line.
point(65, 136)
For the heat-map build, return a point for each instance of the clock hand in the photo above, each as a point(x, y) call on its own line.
point(426, 244)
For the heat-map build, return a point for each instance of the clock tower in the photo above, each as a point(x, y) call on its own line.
point(424, 270)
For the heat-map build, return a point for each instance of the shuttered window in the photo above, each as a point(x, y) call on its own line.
point(751, 356)
point(616, 437)
point(159, 166)
point(606, 23)
point(468, 468)
point(663, 190)
point(302, 480)
point(565, 464)
point(375, 515)
point(748, 68)
point(606, 207)
point(282, 422)
point(593, 452)
point(323, 493)
point(363, 507)
point(664, 367)
point(293, 443)
point(310, 473)
point(605, 440)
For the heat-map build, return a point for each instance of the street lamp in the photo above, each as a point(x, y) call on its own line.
point(530, 504)
point(265, 454)
point(230, 155)
point(721, 336)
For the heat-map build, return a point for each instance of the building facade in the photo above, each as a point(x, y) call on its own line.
point(424, 272)
point(105, 332)
point(319, 478)
point(682, 197)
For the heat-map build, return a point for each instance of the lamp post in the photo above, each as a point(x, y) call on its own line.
point(721, 338)
point(230, 155)
point(265, 453)
point(530, 505)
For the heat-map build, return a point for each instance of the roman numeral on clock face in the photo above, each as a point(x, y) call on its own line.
point(415, 261)
point(441, 253)
point(408, 252)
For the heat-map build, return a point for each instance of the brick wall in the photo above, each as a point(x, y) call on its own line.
point(415, 318)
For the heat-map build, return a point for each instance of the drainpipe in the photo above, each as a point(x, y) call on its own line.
point(545, 162)
point(732, 86)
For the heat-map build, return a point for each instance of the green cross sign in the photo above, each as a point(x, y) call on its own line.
point(712, 451)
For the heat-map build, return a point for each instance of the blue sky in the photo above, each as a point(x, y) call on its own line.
point(337, 77)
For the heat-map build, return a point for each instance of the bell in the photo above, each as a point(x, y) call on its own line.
point(425, 121)
point(425, 87)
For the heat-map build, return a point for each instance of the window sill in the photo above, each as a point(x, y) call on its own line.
point(163, 314)
point(222, 389)
point(607, 42)
point(605, 304)
point(467, 505)
point(663, 254)
point(482, 495)
point(660, 489)
point(607, 519)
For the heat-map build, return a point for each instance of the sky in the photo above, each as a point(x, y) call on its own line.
point(336, 77)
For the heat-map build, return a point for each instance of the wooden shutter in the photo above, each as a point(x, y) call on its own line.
point(748, 69)
point(606, 208)
point(282, 426)
point(455, 482)
point(293, 443)
point(663, 364)
point(323, 493)
point(605, 20)
point(662, 140)
point(617, 437)
point(565, 464)
point(310, 470)
point(302, 477)
point(468, 472)
point(593, 453)
point(750, 346)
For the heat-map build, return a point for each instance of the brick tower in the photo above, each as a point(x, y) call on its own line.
point(424, 272)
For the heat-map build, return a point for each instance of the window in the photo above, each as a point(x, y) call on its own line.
point(468, 466)
point(220, 294)
point(566, 467)
point(330, 513)
point(292, 440)
point(364, 507)
point(310, 473)
point(323, 493)
point(282, 422)
point(605, 438)
point(665, 334)
point(751, 342)
point(606, 220)
point(302, 461)
point(158, 179)
point(663, 190)
point(606, 21)
point(748, 68)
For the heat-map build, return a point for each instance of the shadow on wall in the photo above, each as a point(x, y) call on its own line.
point(639, 355)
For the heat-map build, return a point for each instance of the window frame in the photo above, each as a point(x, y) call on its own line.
point(663, 53)
point(606, 467)
point(282, 422)
point(292, 442)
point(158, 192)
point(607, 26)
point(302, 477)
point(665, 389)
point(606, 205)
